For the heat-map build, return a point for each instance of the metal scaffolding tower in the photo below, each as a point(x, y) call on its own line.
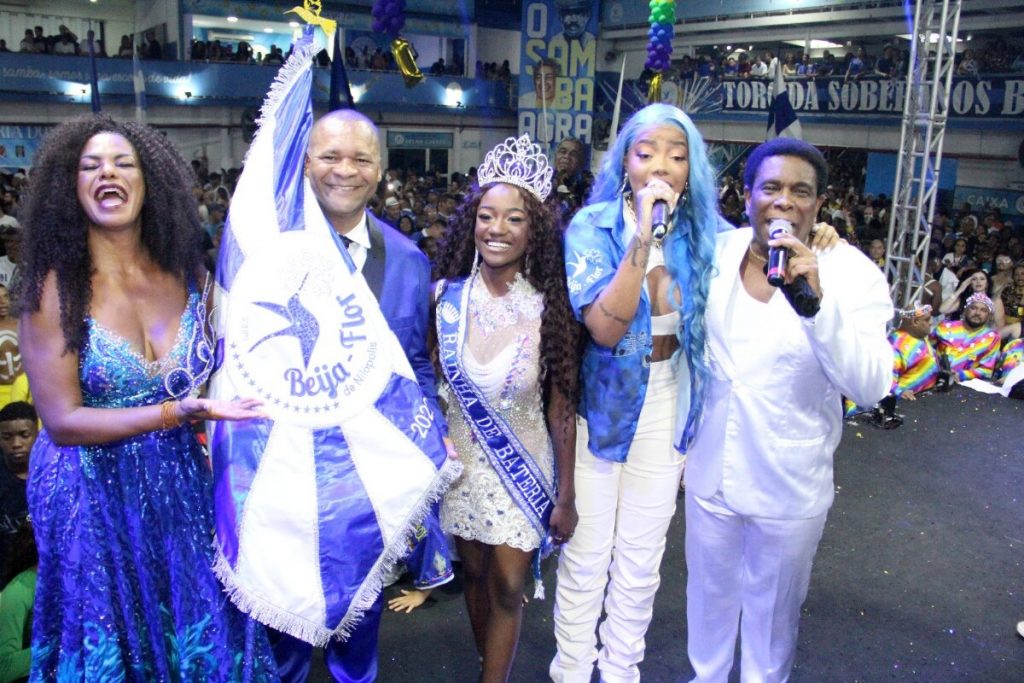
point(925, 112)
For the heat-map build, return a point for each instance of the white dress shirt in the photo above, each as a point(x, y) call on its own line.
point(359, 245)
point(773, 416)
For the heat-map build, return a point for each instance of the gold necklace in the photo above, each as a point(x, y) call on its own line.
point(754, 254)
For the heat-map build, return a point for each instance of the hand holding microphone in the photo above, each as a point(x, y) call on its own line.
point(659, 196)
point(803, 295)
point(778, 257)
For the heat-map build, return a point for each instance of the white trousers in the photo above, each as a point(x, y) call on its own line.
point(751, 566)
point(624, 513)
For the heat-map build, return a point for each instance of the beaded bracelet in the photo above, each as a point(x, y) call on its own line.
point(169, 418)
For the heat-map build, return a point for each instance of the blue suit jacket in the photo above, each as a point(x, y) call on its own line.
point(398, 274)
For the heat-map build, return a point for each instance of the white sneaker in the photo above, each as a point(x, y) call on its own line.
point(1020, 628)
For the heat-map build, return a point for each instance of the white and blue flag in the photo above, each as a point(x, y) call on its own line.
point(316, 503)
point(782, 120)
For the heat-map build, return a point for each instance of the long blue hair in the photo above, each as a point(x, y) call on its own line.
point(690, 246)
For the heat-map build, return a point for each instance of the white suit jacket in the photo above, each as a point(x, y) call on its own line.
point(773, 418)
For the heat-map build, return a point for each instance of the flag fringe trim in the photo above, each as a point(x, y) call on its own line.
point(398, 549)
point(319, 635)
point(289, 72)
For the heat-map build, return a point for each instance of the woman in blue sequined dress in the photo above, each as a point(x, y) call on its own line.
point(114, 342)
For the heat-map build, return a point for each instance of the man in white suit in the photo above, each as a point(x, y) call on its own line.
point(759, 475)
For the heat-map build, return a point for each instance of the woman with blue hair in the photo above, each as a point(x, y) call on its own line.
point(641, 299)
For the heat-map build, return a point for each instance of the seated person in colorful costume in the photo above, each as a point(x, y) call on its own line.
point(970, 346)
point(915, 365)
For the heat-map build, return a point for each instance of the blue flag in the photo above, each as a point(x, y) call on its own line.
point(782, 120)
point(316, 503)
point(340, 86)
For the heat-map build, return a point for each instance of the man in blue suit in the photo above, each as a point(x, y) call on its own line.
point(343, 167)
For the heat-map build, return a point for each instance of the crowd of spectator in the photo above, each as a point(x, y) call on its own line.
point(966, 323)
point(376, 60)
point(972, 252)
point(364, 58)
point(66, 42)
point(492, 71)
point(240, 53)
point(418, 204)
point(995, 57)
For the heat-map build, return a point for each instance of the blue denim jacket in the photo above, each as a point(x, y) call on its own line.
point(614, 379)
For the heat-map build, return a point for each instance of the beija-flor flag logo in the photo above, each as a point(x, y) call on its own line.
point(316, 503)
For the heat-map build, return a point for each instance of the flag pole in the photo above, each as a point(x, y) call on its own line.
point(618, 105)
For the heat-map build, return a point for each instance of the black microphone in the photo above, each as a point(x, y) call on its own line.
point(778, 256)
point(659, 222)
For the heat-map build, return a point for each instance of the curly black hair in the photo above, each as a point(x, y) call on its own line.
point(56, 227)
point(544, 268)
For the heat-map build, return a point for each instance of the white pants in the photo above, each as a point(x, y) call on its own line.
point(753, 566)
point(624, 513)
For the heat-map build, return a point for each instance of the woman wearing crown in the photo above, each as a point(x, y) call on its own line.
point(507, 347)
point(641, 297)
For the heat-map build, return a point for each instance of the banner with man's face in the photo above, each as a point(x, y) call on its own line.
point(557, 70)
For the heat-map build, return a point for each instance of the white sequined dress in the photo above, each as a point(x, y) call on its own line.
point(501, 355)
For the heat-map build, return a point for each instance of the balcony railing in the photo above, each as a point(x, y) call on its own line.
point(58, 78)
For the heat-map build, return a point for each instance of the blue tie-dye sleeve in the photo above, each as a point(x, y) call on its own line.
point(590, 260)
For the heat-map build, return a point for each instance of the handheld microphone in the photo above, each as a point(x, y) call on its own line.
point(778, 256)
point(659, 222)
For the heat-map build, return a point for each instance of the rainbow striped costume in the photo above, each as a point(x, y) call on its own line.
point(915, 365)
point(1012, 356)
point(972, 354)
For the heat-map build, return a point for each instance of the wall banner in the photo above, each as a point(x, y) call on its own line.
point(18, 145)
point(1009, 202)
point(557, 70)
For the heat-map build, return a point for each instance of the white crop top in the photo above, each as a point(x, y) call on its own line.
point(665, 324)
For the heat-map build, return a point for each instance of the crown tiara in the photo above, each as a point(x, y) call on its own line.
point(517, 162)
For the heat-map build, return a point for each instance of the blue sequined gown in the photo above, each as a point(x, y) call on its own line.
point(125, 530)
